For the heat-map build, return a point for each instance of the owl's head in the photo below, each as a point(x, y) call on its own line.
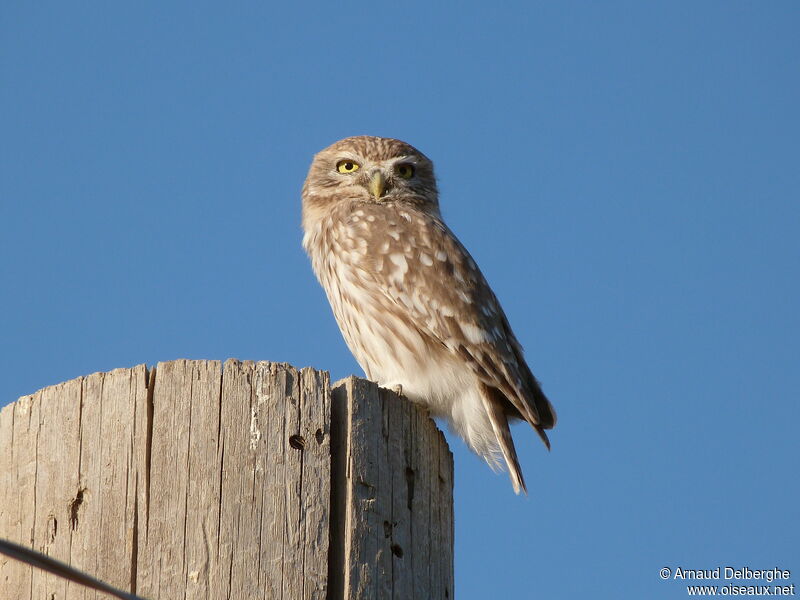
point(369, 169)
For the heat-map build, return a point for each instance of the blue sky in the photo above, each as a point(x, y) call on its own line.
point(624, 173)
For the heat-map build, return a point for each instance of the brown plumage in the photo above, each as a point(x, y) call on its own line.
point(412, 304)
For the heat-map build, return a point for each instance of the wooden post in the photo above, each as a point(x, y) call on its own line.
point(243, 480)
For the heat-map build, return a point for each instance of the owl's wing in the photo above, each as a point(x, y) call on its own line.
point(422, 267)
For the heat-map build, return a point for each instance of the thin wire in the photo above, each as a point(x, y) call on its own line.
point(46, 563)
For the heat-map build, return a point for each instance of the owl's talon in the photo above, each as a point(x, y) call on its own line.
point(396, 388)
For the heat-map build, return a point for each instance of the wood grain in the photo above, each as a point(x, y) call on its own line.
point(242, 480)
point(393, 496)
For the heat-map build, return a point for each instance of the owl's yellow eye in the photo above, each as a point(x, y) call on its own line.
point(405, 171)
point(347, 166)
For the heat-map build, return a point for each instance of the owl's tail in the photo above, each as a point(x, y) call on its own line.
point(493, 403)
point(545, 411)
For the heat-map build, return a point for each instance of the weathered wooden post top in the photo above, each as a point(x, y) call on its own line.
point(197, 479)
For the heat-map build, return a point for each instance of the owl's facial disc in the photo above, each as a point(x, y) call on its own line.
point(375, 180)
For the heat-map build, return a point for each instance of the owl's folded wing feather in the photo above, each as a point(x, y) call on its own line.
point(422, 267)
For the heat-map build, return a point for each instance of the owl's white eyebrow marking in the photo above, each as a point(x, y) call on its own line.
point(405, 159)
point(345, 155)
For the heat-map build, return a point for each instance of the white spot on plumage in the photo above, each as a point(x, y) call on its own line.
point(473, 333)
point(419, 304)
point(441, 256)
point(400, 261)
point(443, 309)
point(425, 259)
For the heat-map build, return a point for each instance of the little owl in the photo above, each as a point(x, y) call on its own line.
point(412, 305)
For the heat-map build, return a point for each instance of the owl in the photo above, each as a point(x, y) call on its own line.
point(412, 305)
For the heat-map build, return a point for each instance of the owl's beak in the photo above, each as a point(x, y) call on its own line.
point(377, 184)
